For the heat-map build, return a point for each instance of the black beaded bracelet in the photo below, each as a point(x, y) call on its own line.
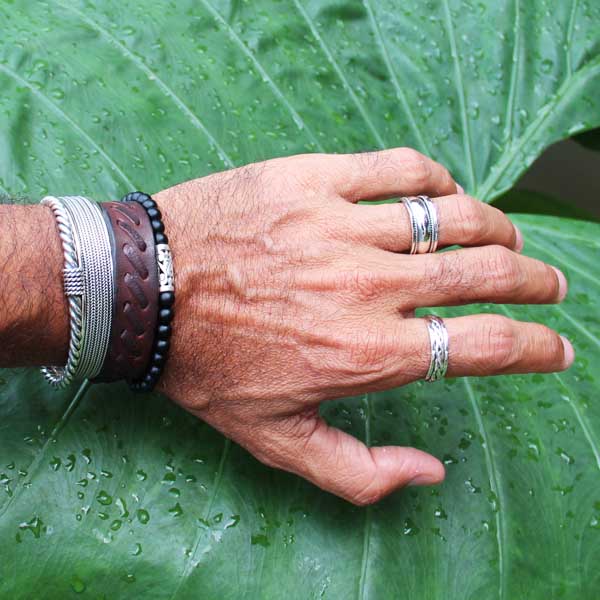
point(166, 294)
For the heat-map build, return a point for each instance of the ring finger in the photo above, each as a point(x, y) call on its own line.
point(478, 345)
point(463, 221)
point(490, 344)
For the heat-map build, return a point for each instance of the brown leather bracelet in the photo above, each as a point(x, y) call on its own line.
point(136, 292)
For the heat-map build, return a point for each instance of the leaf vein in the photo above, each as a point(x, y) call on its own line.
point(394, 78)
point(565, 262)
point(580, 418)
point(65, 117)
point(515, 69)
point(569, 40)
point(300, 123)
point(152, 76)
point(339, 72)
point(495, 487)
point(216, 487)
point(58, 427)
point(364, 566)
point(458, 79)
point(565, 90)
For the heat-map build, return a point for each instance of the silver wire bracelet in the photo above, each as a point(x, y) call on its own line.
point(88, 281)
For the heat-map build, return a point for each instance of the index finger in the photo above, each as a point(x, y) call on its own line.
point(387, 173)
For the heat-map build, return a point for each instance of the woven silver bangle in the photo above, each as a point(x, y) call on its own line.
point(88, 281)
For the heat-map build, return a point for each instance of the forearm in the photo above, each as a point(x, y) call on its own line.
point(34, 327)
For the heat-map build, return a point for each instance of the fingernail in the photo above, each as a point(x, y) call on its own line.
point(519, 242)
point(424, 479)
point(460, 189)
point(562, 284)
point(569, 356)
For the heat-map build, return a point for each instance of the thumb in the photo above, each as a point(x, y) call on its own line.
point(339, 463)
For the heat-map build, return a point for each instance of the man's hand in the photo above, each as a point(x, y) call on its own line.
point(290, 293)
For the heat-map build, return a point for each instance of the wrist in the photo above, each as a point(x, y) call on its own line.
point(34, 324)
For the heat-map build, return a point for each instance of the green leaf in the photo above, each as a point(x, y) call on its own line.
point(105, 97)
point(128, 496)
point(111, 495)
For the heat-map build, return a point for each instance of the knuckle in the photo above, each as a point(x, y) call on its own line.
point(410, 155)
point(367, 353)
point(308, 170)
point(363, 284)
point(499, 347)
point(470, 220)
point(447, 272)
point(504, 269)
point(418, 168)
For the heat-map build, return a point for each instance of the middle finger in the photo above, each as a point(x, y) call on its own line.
point(463, 221)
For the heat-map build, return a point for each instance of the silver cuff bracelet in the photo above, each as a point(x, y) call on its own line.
point(88, 281)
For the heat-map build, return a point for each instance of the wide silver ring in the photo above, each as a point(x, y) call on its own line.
point(424, 224)
point(439, 345)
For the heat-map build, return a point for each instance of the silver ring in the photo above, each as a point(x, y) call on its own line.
point(438, 341)
point(424, 224)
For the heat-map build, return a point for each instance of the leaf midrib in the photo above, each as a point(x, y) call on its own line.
point(33, 468)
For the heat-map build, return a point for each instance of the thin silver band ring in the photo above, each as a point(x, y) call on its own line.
point(439, 345)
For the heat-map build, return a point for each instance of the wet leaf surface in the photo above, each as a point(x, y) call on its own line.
point(105, 494)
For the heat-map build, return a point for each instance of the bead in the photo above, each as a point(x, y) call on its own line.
point(154, 213)
point(163, 332)
point(166, 299)
point(134, 196)
point(155, 371)
point(149, 204)
point(162, 346)
point(158, 359)
point(165, 315)
point(160, 238)
point(149, 379)
point(157, 225)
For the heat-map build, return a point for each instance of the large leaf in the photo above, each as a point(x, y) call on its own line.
point(120, 496)
point(131, 497)
point(103, 97)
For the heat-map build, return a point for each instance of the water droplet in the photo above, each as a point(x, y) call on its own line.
point(116, 525)
point(137, 550)
point(169, 477)
point(260, 539)
point(410, 528)
point(143, 516)
point(566, 457)
point(440, 513)
point(35, 525)
point(104, 498)
point(77, 584)
point(473, 489)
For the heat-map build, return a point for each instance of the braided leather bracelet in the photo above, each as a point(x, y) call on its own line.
point(135, 309)
point(166, 293)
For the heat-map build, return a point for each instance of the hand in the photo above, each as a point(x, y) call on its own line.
point(288, 293)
